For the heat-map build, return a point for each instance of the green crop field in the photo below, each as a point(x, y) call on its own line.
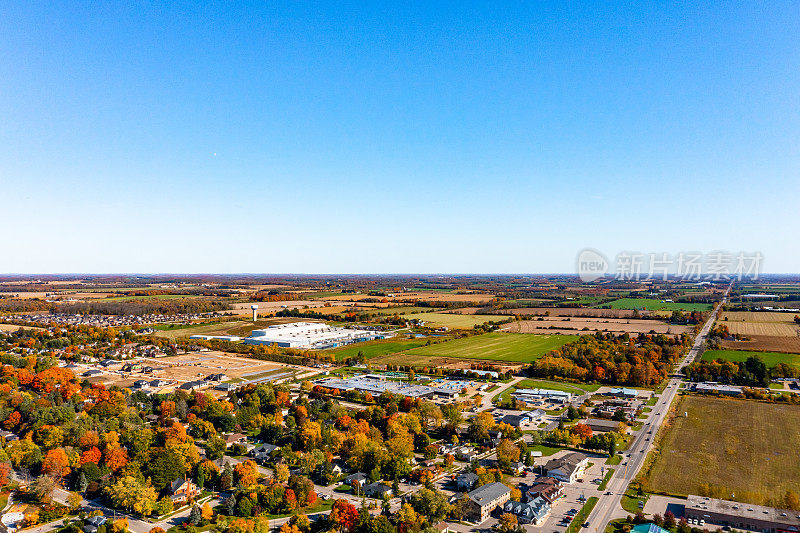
point(517, 347)
point(377, 348)
point(770, 358)
point(726, 446)
point(453, 320)
point(654, 305)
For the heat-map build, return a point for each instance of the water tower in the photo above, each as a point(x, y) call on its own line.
point(254, 307)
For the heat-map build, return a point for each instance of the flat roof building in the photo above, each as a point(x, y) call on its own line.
point(316, 335)
point(742, 515)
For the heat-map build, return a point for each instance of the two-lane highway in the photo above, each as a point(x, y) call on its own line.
point(609, 503)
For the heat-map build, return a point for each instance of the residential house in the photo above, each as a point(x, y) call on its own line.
point(94, 522)
point(358, 476)
point(465, 482)
point(235, 438)
point(483, 500)
point(377, 490)
point(182, 490)
point(263, 452)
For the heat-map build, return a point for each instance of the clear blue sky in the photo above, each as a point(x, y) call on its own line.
point(373, 137)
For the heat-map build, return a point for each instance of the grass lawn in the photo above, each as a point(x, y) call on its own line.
point(651, 304)
point(606, 479)
point(517, 347)
point(738, 356)
point(321, 505)
point(377, 348)
point(617, 459)
point(582, 515)
point(729, 446)
point(545, 449)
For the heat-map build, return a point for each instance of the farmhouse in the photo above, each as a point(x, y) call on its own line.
point(314, 335)
point(741, 515)
point(567, 468)
point(483, 500)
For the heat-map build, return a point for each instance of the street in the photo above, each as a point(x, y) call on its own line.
point(609, 507)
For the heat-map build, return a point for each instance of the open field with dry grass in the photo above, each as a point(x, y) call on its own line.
point(13, 327)
point(574, 311)
point(750, 316)
point(773, 329)
point(452, 320)
point(736, 446)
point(765, 343)
point(615, 325)
point(238, 327)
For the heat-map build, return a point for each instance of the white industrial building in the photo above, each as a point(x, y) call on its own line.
point(311, 335)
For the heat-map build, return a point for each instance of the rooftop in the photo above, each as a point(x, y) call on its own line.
point(744, 510)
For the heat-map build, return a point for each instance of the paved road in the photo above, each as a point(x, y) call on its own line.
point(609, 507)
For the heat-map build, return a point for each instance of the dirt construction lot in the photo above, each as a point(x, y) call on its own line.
point(201, 364)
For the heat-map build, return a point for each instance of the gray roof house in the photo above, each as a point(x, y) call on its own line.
point(465, 482)
point(377, 490)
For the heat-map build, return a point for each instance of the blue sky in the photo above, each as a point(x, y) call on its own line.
point(375, 138)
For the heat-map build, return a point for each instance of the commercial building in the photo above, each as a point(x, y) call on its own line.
point(601, 425)
point(313, 335)
point(711, 387)
point(567, 468)
point(376, 384)
point(548, 488)
point(483, 500)
point(537, 395)
point(533, 512)
point(741, 515)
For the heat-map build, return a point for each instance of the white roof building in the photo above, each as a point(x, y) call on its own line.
point(310, 335)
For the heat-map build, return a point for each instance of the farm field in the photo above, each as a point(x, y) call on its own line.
point(373, 349)
point(770, 358)
point(617, 325)
point(767, 343)
point(771, 329)
point(516, 347)
point(241, 328)
point(728, 317)
point(452, 320)
point(651, 304)
point(572, 311)
point(730, 445)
